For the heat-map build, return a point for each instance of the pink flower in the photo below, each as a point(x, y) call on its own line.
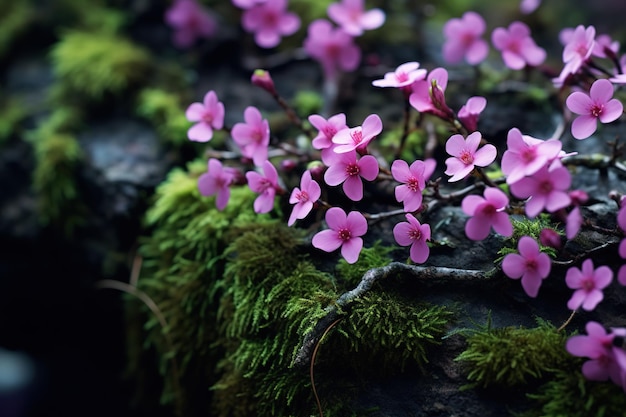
point(351, 16)
point(269, 21)
point(546, 189)
point(303, 198)
point(217, 182)
point(405, 75)
point(326, 130)
point(517, 47)
point(580, 44)
point(253, 136)
point(357, 138)
point(209, 115)
point(415, 234)
point(333, 48)
point(605, 47)
point(525, 155)
point(413, 181)
point(190, 21)
point(262, 79)
point(466, 155)
point(573, 222)
point(529, 6)
point(486, 213)
point(344, 232)
point(550, 237)
point(348, 170)
point(588, 284)
point(428, 95)
point(463, 39)
point(606, 360)
point(246, 4)
point(530, 264)
point(469, 112)
point(265, 185)
point(598, 105)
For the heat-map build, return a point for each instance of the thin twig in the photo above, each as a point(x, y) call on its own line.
point(317, 398)
point(566, 322)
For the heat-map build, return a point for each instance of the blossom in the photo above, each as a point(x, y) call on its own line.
point(403, 76)
point(333, 48)
point(349, 170)
point(605, 47)
point(246, 4)
point(577, 50)
point(486, 213)
point(517, 47)
point(358, 137)
point(216, 181)
point(190, 21)
point(413, 181)
point(353, 19)
point(415, 234)
point(428, 95)
point(525, 155)
point(598, 105)
point(269, 21)
point(466, 155)
point(530, 264)
point(546, 189)
point(529, 6)
point(209, 115)
point(588, 284)
point(606, 360)
point(253, 136)
point(265, 185)
point(303, 197)
point(345, 232)
point(550, 237)
point(463, 39)
point(469, 112)
point(326, 130)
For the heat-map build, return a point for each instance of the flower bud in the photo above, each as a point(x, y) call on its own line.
point(578, 197)
point(439, 100)
point(549, 237)
point(261, 78)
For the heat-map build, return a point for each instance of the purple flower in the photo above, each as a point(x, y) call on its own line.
point(415, 234)
point(333, 48)
point(345, 232)
point(466, 155)
point(529, 6)
point(269, 21)
point(463, 39)
point(349, 170)
point(303, 198)
point(209, 115)
point(517, 47)
point(351, 16)
point(486, 213)
point(580, 44)
point(525, 155)
point(265, 185)
point(530, 264)
point(598, 105)
point(405, 75)
point(546, 189)
point(588, 284)
point(357, 138)
point(190, 21)
point(413, 181)
point(217, 182)
point(469, 112)
point(253, 136)
point(606, 360)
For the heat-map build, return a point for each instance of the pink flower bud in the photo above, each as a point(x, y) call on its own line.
point(578, 197)
point(549, 237)
point(261, 78)
point(439, 100)
point(287, 165)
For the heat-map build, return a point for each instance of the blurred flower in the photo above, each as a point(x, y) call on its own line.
point(190, 21)
point(351, 16)
point(253, 136)
point(209, 115)
point(333, 48)
point(463, 39)
point(529, 6)
point(270, 21)
point(517, 47)
point(217, 182)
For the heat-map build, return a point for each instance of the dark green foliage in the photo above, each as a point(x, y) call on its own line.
point(165, 111)
point(373, 257)
point(513, 356)
point(569, 394)
point(389, 330)
point(15, 17)
point(95, 64)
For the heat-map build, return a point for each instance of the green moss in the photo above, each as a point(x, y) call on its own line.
point(13, 113)
point(93, 65)
point(372, 257)
point(569, 394)
point(413, 146)
point(528, 227)
point(166, 113)
point(15, 17)
point(308, 102)
point(513, 356)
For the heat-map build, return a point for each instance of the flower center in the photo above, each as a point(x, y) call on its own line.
point(596, 110)
point(587, 284)
point(402, 77)
point(357, 136)
point(415, 234)
point(467, 39)
point(207, 118)
point(413, 184)
point(546, 187)
point(257, 135)
point(344, 234)
point(531, 264)
point(466, 157)
point(270, 19)
point(302, 196)
point(329, 131)
point(489, 210)
point(352, 169)
point(528, 155)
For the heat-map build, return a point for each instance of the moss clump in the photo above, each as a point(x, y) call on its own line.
point(372, 257)
point(93, 65)
point(569, 394)
point(165, 111)
point(513, 356)
point(528, 227)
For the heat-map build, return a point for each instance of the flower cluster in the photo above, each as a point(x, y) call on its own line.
point(339, 166)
